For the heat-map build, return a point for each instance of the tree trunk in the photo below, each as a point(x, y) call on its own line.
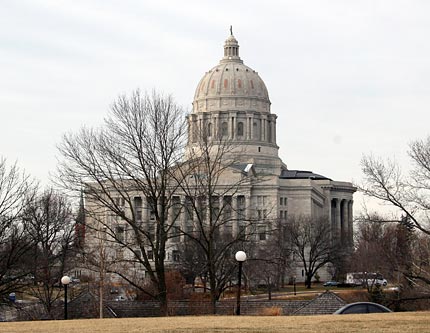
point(308, 281)
point(164, 309)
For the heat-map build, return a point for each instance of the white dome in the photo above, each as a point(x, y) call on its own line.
point(231, 85)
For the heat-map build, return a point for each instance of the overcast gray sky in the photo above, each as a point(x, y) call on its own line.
point(344, 77)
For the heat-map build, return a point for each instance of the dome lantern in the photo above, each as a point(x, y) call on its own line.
point(231, 49)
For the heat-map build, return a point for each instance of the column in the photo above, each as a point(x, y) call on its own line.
point(263, 128)
point(333, 219)
point(337, 220)
point(234, 215)
point(274, 130)
point(181, 220)
point(344, 230)
point(233, 125)
point(251, 128)
point(350, 223)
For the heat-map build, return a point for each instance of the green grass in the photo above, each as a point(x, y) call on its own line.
point(389, 322)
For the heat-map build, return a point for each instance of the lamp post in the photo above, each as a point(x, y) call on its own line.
point(65, 280)
point(294, 284)
point(240, 258)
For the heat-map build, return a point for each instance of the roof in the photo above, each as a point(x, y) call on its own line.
point(301, 174)
point(325, 303)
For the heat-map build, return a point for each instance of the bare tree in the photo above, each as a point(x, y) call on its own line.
point(271, 257)
point(15, 188)
point(214, 183)
point(311, 244)
point(192, 262)
point(408, 193)
point(384, 180)
point(382, 247)
point(122, 165)
point(49, 224)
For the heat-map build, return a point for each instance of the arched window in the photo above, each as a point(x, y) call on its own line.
point(209, 129)
point(225, 83)
point(255, 130)
point(239, 83)
point(224, 129)
point(239, 129)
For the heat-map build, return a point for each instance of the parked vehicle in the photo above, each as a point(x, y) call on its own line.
point(75, 280)
point(120, 298)
point(330, 284)
point(362, 307)
point(365, 278)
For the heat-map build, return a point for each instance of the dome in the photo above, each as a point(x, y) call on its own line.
point(231, 85)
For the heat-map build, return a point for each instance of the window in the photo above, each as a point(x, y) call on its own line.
point(262, 232)
point(255, 130)
point(138, 209)
point(228, 230)
point(224, 129)
point(151, 208)
point(227, 208)
point(240, 129)
point(282, 201)
point(215, 207)
point(188, 209)
point(202, 207)
point(175, 255)
point(150, 231)
point(150, 254)
point(189, 227)
point(261, 200)
point(175, 233)
point(240, 207)
point(120, 233)
point(176, 207)
point(209, 129)
point(119, 253)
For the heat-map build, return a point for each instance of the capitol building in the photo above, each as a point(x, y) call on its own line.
point(231, 107)
point(231, 100)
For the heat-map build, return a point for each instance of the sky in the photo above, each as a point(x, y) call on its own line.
point(345, 77)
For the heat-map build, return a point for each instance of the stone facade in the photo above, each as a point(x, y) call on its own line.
point(232, 102)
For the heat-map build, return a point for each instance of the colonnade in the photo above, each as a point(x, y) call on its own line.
point(342, 221)
point(256, 126)
point(181, 212)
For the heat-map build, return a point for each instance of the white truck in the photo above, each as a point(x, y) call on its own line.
point(365, 278)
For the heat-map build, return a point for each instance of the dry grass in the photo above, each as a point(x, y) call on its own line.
point(391, 322)
point(273, 311)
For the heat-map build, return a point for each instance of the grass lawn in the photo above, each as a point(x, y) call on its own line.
point(389, 322)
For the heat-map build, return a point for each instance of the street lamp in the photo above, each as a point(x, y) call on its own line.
point(240, 258)
point(65, 280)
point(294, 283)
